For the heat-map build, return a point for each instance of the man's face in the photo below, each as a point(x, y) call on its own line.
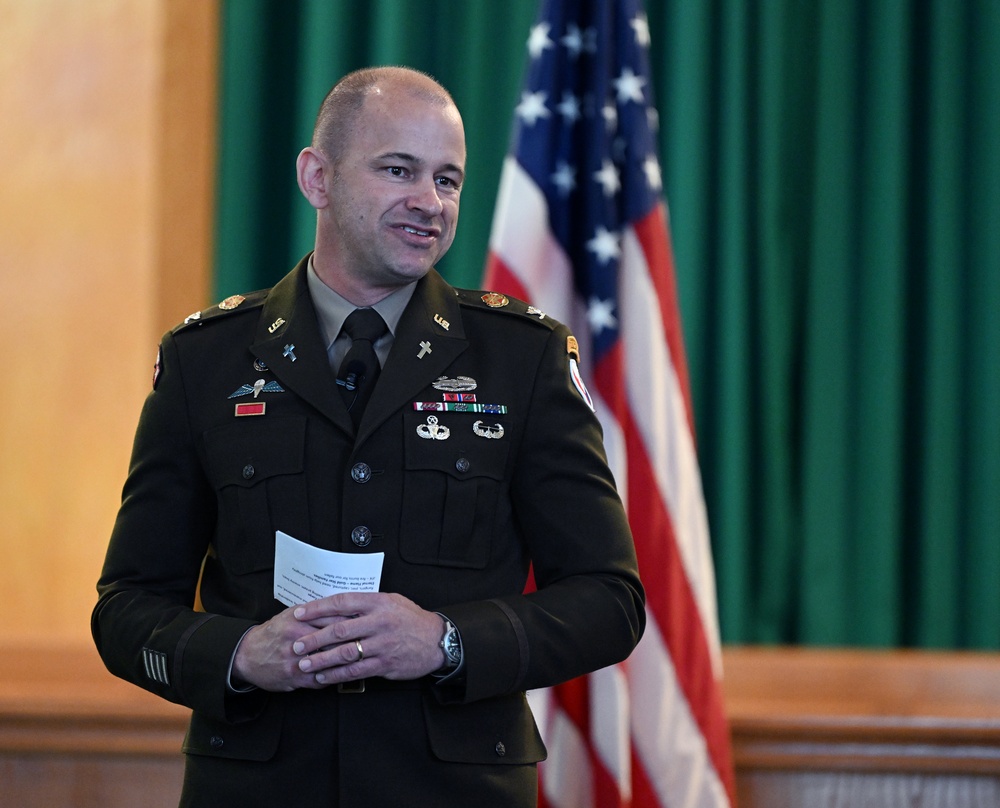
point(394, 192)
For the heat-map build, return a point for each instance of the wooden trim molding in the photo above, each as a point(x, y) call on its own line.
point(64, 701)
point(854, 710)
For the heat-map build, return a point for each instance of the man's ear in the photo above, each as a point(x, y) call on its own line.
point(311, 169)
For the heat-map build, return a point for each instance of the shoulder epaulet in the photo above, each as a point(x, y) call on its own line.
point(500, 303)
point(232, 304)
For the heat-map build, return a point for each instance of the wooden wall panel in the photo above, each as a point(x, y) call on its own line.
point(105, 222)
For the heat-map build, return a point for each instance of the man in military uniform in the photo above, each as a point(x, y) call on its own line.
point(363, 406)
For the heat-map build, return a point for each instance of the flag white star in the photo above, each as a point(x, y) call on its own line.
point(641, 27)
point(573, 40)
point(608, 178)
point(610, 113)
point(569, 108)
point(629, 86)
point(651, 167)
point(604, 245)
point(532, 107)
point(539, 40)
point(564, 178)
point(600, 315)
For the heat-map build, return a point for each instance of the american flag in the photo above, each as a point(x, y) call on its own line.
point(580, 231)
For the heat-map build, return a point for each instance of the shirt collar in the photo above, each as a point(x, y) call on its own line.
point(332, 309)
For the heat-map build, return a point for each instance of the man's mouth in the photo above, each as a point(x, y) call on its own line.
point(416, 232)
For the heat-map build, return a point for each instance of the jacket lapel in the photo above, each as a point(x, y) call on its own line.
point(289, 342)
point(430, 336)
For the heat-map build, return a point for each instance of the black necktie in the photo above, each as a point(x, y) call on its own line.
point(360, 368)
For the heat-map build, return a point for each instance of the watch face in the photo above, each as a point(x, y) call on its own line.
point(452, 649)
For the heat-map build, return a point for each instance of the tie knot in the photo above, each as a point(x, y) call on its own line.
point(365, 324)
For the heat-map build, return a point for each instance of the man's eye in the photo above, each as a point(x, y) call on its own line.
point(448, 182)
point(396, 171)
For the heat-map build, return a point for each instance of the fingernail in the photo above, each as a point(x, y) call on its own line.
point(305, 664)
point(298, 647)
point(320, 678)
point(299, 612)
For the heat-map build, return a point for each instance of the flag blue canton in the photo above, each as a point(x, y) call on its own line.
point(586, 134)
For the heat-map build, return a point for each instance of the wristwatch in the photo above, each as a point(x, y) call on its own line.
point(451, 644)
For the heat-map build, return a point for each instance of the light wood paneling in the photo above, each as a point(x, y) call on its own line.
point(105, 222)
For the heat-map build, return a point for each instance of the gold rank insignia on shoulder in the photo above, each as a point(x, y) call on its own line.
point(231, 302)
point(495, 300)
point(573, 348)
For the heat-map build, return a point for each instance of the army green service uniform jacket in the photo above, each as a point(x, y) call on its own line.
point(459, 499)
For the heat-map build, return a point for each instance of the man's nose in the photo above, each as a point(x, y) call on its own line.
point(424, 196)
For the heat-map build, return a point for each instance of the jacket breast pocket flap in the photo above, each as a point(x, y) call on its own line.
point(452, 488)
point(247, 454)
point(257, 471)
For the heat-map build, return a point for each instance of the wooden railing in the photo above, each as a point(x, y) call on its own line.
point(810, 728)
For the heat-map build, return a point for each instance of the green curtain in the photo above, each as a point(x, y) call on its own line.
point(833, 177)
point(278, 60)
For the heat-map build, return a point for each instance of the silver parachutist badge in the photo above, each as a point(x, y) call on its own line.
point(432, 431)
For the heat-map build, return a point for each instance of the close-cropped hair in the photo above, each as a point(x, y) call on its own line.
point(339, 110)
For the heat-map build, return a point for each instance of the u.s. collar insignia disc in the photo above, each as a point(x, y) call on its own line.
point(231, 302)
point(495, 300)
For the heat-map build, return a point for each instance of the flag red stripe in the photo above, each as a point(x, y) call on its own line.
point(573, 698)
point(499, 276)
point(654, 237)
point(672, 600)
point(643, 793)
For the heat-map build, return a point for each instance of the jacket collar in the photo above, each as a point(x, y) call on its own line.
point(429, 337)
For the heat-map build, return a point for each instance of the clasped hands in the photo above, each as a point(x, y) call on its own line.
point(319, 643)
